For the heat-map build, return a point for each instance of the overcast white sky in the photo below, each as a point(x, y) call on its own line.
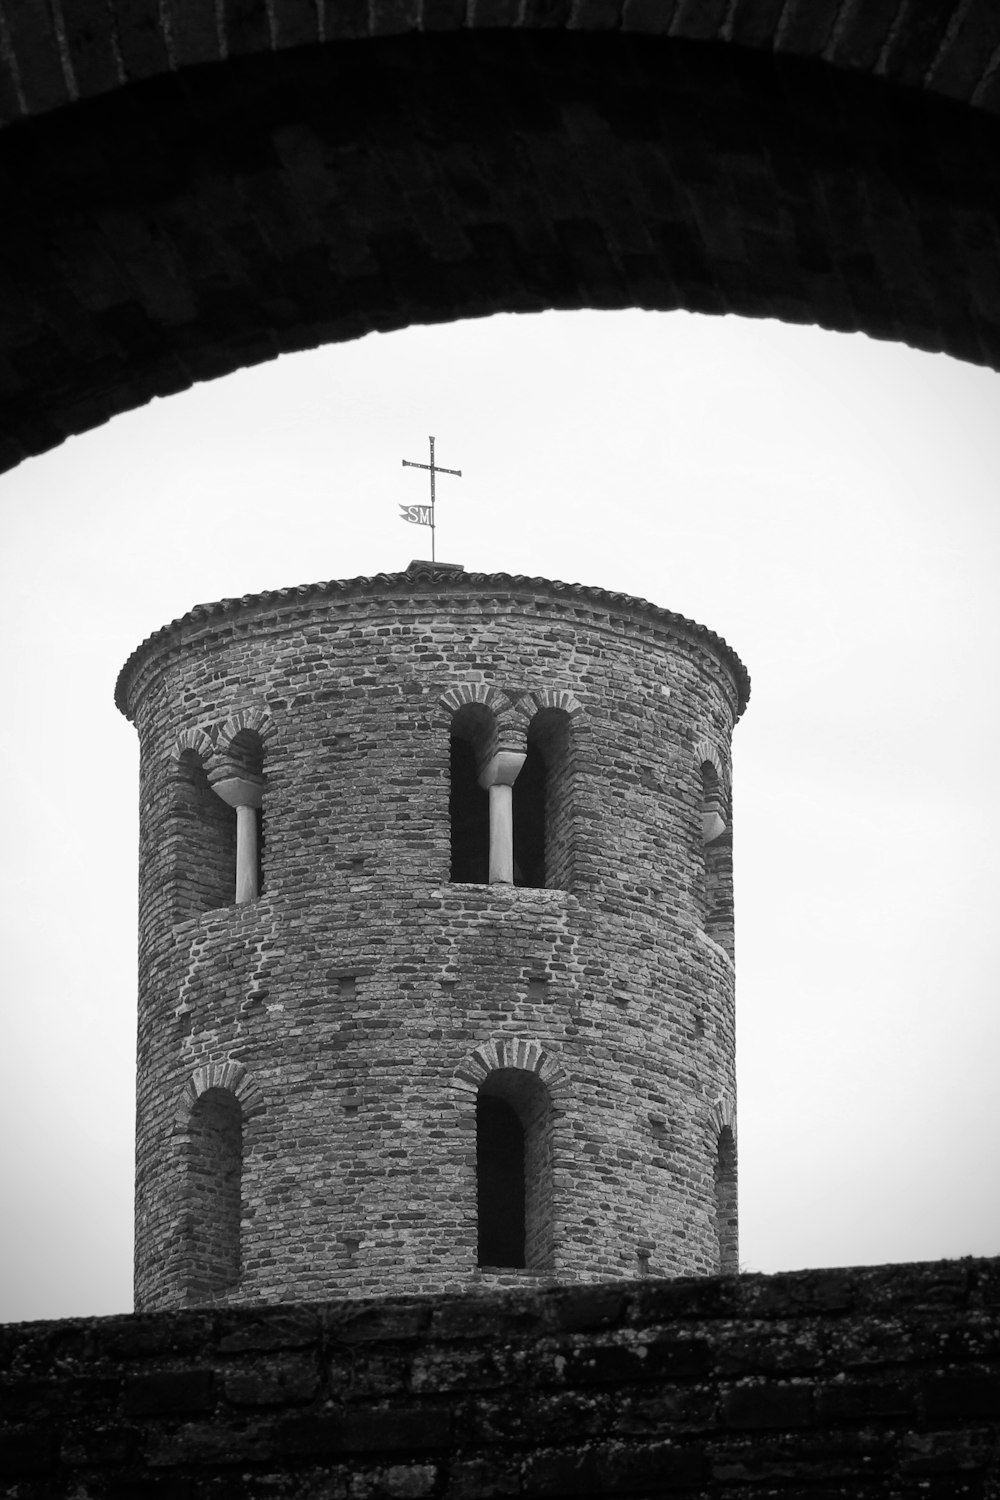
point(826, 503)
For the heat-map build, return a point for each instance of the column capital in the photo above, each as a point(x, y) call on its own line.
point(501, 769)
point(239, 791)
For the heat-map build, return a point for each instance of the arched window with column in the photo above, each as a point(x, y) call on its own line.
point(514, 1200)
point(237, 777)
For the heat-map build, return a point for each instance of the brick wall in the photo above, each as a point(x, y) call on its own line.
point(362, 1000)
point(797, 161)
point(872, 1384)
point(66, 52)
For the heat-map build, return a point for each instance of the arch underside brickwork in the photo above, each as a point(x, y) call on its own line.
point(277, 176)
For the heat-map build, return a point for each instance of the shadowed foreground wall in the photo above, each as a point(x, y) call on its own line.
point(868, 1382)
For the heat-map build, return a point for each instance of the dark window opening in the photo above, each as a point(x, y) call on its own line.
point(514, 1155)
point(201, 844)
point(726, 1216)
point(215, 1162)
point(529, 799)
point(500, 1184)
point(469, 810)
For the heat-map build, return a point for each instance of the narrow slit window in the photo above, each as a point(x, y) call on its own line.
point(500, 1183)
point(543, 848)
point(473, 735)
point(727, 1224)
point(529, 820)
point(201, 839)
point(214, 1189)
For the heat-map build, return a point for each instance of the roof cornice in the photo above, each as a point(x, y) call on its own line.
point(422, 579)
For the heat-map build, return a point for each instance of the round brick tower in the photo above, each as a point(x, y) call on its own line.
point(436, 980)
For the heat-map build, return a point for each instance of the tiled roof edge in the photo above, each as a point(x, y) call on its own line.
point(415, 579)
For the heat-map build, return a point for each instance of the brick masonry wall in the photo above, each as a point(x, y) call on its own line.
point(354, 1008)
point(872, 1384)
point(69, 51)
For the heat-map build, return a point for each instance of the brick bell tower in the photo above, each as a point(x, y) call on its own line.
point(436, 980)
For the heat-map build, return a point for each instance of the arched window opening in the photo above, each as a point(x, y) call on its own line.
point(201, 843)
point(529, 819)
point(500, 1183)
point(717, 850)
point(214, 1172)
point(726, 1218)
point(514, 1171)
point(542, 845)
point(239, 780)
point(472, 731)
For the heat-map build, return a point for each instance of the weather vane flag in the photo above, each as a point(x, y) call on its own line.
point(423, 515)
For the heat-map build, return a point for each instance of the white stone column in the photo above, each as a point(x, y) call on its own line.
point(246, 796)
point(498, 777)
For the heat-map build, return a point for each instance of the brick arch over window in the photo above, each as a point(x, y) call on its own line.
point(508, 730)
point(509, 1052)
point(210, 1124)
point(196, 741)
point(253, 721)
point(779, 134)
point(232, 1076)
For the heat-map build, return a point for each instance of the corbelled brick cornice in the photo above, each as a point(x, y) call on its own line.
point(446, 585)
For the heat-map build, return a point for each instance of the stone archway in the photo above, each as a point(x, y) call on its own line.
point(600, 153)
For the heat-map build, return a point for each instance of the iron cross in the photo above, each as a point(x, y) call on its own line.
point(434, 469)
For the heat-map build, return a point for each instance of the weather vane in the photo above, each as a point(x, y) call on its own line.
point(423, 515)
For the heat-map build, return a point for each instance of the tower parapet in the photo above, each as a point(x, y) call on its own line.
point(436, 979)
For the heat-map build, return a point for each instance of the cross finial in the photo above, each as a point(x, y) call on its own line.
point(423, 515)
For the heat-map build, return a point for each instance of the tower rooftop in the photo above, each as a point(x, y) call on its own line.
point(420, 578)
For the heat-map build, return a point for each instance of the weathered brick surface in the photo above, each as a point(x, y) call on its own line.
point(328, 170)
point(355, 1007)
point(88, 48)
point(871, 1384)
